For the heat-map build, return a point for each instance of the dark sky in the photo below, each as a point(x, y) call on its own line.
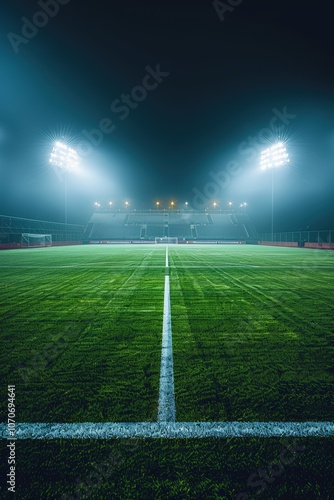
point(222, 84)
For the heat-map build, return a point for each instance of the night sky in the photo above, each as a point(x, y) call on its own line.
point(219, 81)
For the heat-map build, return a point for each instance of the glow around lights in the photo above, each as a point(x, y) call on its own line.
point(275, 156)
point(63, 156)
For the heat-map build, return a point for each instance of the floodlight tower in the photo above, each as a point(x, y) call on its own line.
point(65, 159)
point(271, 158)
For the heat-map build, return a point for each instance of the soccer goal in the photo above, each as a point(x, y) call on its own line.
point(170, 240)
point(29, 240)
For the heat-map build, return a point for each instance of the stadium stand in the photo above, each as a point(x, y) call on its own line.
point(180, 231)
point(245, 221)
point(154, 231)
point(146, 218)
point(189, 226)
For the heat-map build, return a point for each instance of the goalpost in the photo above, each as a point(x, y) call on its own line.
point(29, 240)
point(170, 240)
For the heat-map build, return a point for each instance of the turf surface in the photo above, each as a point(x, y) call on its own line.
point(252, 340)
point(81, 332)
point(252, 333)
point(210, 469)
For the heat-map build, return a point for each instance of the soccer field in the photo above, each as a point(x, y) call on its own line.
point(252, 332)
point(252, 341)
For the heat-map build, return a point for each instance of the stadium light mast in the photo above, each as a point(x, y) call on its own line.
point(66, 160)
point(271, 158)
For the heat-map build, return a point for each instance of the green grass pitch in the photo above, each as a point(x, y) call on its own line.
point(253, 333)
point(81, 328)
point(252, 340)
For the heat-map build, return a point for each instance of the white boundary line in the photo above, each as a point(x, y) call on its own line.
point(91, 430)
point(166, 409)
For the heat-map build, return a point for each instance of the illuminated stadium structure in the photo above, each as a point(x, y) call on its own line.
point(139, 226)
point(184, 225)
point(135, 226)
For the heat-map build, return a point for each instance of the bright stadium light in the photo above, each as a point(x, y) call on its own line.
point(97, 204)
point(230, 203)
point(272, 158)
point(67, 160)
point(110, 203)
point(62, 156)
point(275, 156)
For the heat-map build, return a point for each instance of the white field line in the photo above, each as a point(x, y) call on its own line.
point(91, 430)
point(166, 409)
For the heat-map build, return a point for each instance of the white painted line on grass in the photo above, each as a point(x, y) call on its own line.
point(166, 410)
point(91, 430)
point(167, 256)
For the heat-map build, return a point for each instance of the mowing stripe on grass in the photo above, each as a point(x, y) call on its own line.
point(166, 410)
point(91, 430)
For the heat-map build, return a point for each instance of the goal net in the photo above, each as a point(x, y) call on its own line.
point(166, 240)
point(29, 240)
